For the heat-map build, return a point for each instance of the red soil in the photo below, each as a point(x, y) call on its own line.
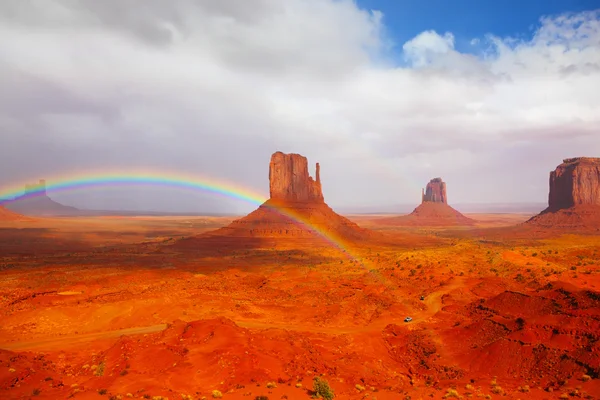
point(7, 215)
point(128, 312)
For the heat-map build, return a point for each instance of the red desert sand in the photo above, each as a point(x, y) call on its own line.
point(263, 307)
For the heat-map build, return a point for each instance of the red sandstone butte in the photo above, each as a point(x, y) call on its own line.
point(575, 182)
point(433, 210)
point(296, 209)
point(289, 180)
point(574, 198)
point(435, 192)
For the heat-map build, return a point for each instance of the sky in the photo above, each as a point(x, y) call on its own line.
point(385, 95)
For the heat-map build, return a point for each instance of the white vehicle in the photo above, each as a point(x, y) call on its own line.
point(407, 319)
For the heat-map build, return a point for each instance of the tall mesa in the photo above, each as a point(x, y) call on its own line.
point(574, 196)
point(575, 182)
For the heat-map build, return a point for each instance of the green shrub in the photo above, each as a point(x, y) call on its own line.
point(322, 389)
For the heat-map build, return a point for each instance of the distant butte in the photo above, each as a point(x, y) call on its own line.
point(574, 196)
point(296, 208)
point(433, 210)
point(35, 201)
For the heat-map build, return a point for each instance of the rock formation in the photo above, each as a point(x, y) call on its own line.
point(574, 197)
point(435, 192)
point(289, 181)
point(433, 210)
point(575, 182)
point(296, 209)
point(35, 201)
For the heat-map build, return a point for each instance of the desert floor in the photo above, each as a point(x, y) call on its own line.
point(108, 307)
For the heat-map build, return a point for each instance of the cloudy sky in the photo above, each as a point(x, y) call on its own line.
point(385, 97)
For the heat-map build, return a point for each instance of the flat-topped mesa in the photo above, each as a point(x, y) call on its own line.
point(575, 182)
point(435, 192)
point(290, 182)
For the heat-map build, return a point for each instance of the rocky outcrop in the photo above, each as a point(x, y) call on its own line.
point(35, 201)
point(296, 209)
point(435, 192)
point(290, 182)
point(433, 210)
point(574, 197)
point(575, 182)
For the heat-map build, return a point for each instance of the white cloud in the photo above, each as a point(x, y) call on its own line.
point(216, 87)
point(425, 47)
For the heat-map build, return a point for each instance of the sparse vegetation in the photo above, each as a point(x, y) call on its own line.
point(99, 371)
point(452, 393)
point(321, 389)
point(102, 391)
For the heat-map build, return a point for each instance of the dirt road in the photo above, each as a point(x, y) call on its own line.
point(433, 303)
point(73, 340)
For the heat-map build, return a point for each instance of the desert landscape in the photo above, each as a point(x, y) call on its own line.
point(294, 301)
point(299, 199)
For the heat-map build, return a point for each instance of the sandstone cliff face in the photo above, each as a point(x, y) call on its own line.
point(290, 182)
point(435, 192)
point(575, 182)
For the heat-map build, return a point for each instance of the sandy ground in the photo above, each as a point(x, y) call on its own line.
point(106, 307)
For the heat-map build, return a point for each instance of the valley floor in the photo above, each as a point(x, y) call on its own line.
point(94, 308)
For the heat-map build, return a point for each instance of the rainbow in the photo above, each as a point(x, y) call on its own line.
point(135, 178)
point(178, 180)
point(167, 179)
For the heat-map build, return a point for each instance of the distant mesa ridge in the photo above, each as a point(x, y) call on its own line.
point(574, 196)
point(35, 201)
